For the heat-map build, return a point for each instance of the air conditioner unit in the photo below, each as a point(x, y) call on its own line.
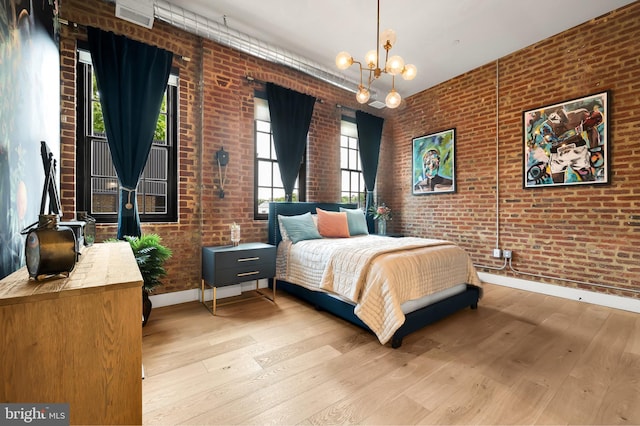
point(137, 11)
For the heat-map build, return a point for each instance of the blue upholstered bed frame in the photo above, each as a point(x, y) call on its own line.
point(413, 321)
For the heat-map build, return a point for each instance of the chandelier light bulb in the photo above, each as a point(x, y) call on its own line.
point(371, 59)
point(393, 99)
point(343, 60)
point(395, 65)
point(363, 95)
point(409, 72)
point(388, 39)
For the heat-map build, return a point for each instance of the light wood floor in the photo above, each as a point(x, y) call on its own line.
point(521, 358)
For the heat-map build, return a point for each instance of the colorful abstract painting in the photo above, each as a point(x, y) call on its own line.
point(567, 143)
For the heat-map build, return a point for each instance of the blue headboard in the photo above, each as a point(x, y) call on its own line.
point(292, 209)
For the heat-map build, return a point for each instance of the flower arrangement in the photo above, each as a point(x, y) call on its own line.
point(380, 212)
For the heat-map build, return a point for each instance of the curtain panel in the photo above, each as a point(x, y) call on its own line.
point(290, 113)
point(369, 138)
point(132, 78)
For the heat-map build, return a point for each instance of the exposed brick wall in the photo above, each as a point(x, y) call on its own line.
point(216, 110)
point(582, 233)
point(577, 233)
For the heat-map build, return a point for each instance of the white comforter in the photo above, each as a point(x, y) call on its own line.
point(376, 273)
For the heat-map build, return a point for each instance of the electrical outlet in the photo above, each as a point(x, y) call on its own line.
point(507, 254)
point(497, 253)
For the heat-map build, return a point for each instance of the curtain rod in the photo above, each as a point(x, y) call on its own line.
point(255, 80)
point(84, 27)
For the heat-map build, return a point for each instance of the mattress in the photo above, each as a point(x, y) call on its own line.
point(383, 277)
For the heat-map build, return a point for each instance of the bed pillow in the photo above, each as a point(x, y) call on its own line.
point(357, 221)
point(333, 224)
point(299, 228)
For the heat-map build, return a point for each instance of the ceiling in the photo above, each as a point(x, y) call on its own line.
point(442, 38)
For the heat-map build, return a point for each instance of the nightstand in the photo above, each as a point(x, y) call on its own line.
point(229, 265)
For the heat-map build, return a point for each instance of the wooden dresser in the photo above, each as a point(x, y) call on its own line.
point(76, 340)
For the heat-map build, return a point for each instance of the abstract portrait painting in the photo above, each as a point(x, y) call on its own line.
point(434, 163)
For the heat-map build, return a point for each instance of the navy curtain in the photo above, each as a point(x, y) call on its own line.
point(290, 113)
point(369, 137)
point(132, 78)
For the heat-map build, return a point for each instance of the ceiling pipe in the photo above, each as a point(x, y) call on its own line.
point(222, 34)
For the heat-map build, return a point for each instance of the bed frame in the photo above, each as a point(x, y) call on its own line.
point(413, 321)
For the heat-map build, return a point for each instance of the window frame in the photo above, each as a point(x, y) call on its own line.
point(84, 138)
point(362, 191)
point(302, 172)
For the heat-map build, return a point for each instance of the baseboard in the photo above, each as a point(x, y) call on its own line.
point(184, 296)
point(616, 302)
point(611, 301)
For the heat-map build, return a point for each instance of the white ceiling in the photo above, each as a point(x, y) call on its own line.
point(443, 38)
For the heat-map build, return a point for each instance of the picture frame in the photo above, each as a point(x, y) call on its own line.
point(433, 165)
point(567, 143)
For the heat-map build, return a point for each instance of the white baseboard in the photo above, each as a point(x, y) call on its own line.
point(184, 296)
point(611, 301)
point(616, 302)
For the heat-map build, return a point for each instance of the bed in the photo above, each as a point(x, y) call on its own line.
point(378, 303)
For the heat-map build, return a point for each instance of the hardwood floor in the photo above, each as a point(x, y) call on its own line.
point(521, 358)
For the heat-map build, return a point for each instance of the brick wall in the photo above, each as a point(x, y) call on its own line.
point(589, 234)
point(216, 110)
point(576, 233)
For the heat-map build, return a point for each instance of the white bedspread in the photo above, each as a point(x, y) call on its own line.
point(376, 273)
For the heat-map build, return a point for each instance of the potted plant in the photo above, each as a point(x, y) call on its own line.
point(150, 255)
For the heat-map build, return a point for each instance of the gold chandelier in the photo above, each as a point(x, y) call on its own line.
point(392, 65)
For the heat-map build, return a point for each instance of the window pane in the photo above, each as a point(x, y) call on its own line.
point(344, 158)
point(353, 159)
point(264, 173)
point(263, 145)
point(101, 164)
point(278, 194)
point(263, 126)
point(152, 197)
point(353, 143)
point(345, 181)
point(97, 121)
point(277, 179)
point(355, 182)
point(160, 135)
point(104, 195)
point(157, 163)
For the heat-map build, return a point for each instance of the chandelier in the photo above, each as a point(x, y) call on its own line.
point(393, 65)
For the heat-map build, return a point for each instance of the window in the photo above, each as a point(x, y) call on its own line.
point(353, 189)
point(268, 183)
point(97, 183)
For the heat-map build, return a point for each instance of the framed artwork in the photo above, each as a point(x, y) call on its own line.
point(567, 143)
point(434, 166)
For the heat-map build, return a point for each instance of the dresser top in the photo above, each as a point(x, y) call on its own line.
point(100, 267)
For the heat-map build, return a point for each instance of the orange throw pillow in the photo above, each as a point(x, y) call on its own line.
point(333, 224)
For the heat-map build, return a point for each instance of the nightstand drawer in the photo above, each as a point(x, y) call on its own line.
point(229, 265)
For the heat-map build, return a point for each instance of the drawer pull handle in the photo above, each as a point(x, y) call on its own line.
point(248, 259)
point(244, 274)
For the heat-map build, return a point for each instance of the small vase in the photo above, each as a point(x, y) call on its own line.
point(382, 227)
point(235, 234)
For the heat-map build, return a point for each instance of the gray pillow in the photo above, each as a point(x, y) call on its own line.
point(357, 221)
point(300, 227)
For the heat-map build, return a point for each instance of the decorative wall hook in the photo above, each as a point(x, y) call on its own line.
point(222, 157)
